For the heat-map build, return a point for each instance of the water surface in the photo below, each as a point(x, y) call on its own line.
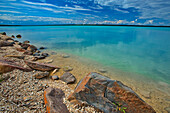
point(141, 50)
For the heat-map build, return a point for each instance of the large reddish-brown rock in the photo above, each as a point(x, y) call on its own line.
point(109, 96)
point(53, 99)
point(40, 66)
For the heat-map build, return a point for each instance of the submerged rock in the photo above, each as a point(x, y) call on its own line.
point(40, 66)
point(13, 36)
point(53, 99)
point(45, 54)
point(65, 56)
point(68, 78)
point(42, 48)
point(67, 68)
point(102, 70)
point(109, 96)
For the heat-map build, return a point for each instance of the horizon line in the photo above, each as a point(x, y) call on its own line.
point(87, 25)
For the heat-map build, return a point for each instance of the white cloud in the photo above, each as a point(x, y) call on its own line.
point(149, 22)
point(32, 18)
point(7, 11)
point(147, 8)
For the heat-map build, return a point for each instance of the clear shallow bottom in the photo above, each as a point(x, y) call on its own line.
point(141, 50)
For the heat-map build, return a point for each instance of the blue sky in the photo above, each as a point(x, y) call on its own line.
point(128, 12)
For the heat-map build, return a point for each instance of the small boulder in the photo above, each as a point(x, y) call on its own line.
point(68, 78)
point(55, 77)
point(40, 75)
point(13, 36)
point(53, 99)
point(25, 46)
point(32, 48)
point(18, 36)
point(3, 33)
point(26, 42)
point(28, 53)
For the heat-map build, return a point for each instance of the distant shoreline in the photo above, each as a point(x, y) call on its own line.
point(89, 25)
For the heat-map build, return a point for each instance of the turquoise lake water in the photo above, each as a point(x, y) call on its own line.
point(140, 50)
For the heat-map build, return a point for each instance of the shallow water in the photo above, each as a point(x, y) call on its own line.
point(143, 51)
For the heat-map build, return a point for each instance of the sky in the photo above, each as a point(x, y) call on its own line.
point(121, 12)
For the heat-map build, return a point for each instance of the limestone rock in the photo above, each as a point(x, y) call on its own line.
point(68, 78)
point(40, 66)
point(53, 99)
point(7, 66)
point(109, 96)
point(40, 75)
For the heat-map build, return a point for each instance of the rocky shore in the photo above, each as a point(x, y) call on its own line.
point(29, 84)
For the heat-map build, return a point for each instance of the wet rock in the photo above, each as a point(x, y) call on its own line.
point(45, 54)
point(53, 99)
point(3, 33)
point(102, 70)
point(28, 53)
point(26, 42)
point(42, 48)
point(36, 54)
point(20, 49)
point(32, 48)
point(18, 36)
point(65, 56)
point(67, 68)
point(40, 66)
point(108, 95)
point(6, 43)
point(38, 51)
point(68, 78)
point(7, 66)
point(13, 36)
point(55, 77)
point(40, 75)
point(25, 46)
point(15, 56)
